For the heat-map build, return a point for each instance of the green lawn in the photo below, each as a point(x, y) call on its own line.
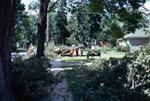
point(114, 54)
point(75, 80)
point(105, 55)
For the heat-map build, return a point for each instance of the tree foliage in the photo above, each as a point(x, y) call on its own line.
point(25, 27)
point(127, 12)
point(105, 19)
point(125, 79)
point(26, 84)
point(61, 23)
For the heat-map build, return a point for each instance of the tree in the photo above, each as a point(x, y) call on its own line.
point(127, 11)
point(7, 14)
point(95, 25)
point(106, 19)
point(30, 30)
point(86, 23)
point(34, 7)
point(48, 32)
point(42, 27)
point(42, 23)
point(51, 7)
point(20, 17)
point(61, 23)
point(79, 23)
point(25, 29)
point(111, 29)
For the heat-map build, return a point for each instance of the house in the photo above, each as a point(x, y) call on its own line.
point(137, 39)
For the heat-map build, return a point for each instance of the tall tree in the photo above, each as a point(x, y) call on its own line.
point(95, 25)
point(61, 22)
point(19, 21)
point(80, 23)
point(42, 24)
point(7, 13)
point(42, 27)
point(106, 17)
point(51, 6)
point(127, 11)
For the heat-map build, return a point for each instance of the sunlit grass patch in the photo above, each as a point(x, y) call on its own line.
point(75, 80)
point(104, 55)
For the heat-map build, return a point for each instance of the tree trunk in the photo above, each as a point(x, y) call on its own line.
point(7, 12)
point(42, 28)
point(48, 34)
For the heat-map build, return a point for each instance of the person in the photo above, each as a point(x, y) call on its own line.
point(17, 45)
point(93, 49)
point(27, 45)
point(31, 48)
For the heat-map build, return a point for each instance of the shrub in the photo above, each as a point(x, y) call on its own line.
point(139, 70)
point(126, 79)
point(29, 78)
point(123, 49)
point(50, 50)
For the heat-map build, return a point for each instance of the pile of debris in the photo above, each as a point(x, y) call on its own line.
point(72, 51)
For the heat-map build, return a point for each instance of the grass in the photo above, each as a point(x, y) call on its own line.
point(75, 80)
point(105, 55)
point(74, 59)
point(114, 54)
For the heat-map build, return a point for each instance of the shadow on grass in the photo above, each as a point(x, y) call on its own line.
point(108, 83)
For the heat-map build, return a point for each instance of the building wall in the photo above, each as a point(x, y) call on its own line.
point(136, 43)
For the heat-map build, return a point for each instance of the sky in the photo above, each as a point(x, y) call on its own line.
point(27, 2)
point(147, 4)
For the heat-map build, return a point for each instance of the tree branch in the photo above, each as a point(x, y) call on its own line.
point(146, 9)
point(50, 8)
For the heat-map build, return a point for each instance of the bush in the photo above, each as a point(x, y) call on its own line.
point(139, 70)
point(50, 50)
point(126, 79)
point(29, 78)
point(123, 49)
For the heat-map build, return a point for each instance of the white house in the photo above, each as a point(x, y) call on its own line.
point(137, 39)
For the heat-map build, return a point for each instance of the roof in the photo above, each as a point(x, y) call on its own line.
point(135, 36)
point(140, 33)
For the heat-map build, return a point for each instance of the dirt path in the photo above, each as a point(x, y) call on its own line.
point(61, 91)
